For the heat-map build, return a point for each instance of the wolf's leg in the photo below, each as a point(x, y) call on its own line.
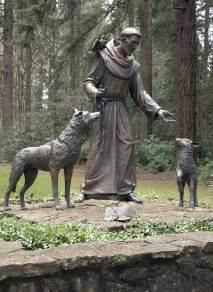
point(195, 193)
point(67, 179)
point(30, 176)
point(192, 188)
point(16, 173)
point(6, 200)
point(181, 185)
point(54, 178)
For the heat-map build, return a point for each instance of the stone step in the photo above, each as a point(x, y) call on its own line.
point(9, 247)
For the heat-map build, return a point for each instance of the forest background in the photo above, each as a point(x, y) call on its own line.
point(45, 54)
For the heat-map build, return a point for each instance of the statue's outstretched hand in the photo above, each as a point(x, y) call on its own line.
point(166, 116)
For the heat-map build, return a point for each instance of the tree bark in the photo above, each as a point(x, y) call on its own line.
point(28, 88)
point(131, 13)
point(7, 104)
point(206, 43)
point(186, 95)
point(74, 11)
point(145, 17)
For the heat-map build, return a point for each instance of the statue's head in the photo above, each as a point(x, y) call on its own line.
point(130, 31)
point(130, 39)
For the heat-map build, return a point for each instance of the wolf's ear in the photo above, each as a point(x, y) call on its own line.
point(77, 112)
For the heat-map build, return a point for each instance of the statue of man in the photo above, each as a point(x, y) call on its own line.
point(113, 76)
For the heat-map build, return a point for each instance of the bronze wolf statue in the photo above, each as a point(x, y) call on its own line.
point(186, 170)
point(60, 153)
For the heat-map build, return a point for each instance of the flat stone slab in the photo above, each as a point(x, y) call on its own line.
point(92, 211)
point(9, 247)
point(27, 264)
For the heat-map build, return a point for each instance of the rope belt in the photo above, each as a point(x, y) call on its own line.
point(101, 103)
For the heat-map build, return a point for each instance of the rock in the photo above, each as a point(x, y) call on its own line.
point(209, 247)
point(110, 214)
point(8, 247)
point(23, 287)
point(134, 274)
point(187, 267)
point(206, 262)
point(123, 213)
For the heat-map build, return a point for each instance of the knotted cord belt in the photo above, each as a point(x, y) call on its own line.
point(101, 103)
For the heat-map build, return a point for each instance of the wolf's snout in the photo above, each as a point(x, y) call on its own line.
point(95, 115)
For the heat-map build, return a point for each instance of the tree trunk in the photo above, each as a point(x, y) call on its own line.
point(28, 88)
point(145, 17)
point(186, 95)
point(74, 10)
point(55, 67)
point(206, 43)
point(131, 13)
point(20, 72)
point(7, 104)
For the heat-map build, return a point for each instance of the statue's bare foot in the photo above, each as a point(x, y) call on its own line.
point(131, 198)
point(23, 208)
point(7, 208)
point(80, 198)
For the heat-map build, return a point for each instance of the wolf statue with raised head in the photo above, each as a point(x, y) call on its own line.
point(113, 76)
point(59, 153)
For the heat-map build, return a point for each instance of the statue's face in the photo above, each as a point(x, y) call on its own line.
point(130, 43)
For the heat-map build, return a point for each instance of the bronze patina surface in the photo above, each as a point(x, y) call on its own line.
point(113, 77)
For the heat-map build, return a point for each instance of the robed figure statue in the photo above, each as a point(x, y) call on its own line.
point(113, 77)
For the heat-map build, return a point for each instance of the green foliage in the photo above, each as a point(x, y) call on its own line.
point(10, 146)
point(40, 236)
point(154, 154)
point(60, 34)
point(47, 124)
point(84, 152)
point(206, 172)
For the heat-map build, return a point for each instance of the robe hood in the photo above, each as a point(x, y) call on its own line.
point(120, 66)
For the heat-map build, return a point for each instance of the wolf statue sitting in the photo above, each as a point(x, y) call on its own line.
point(186, 170)
point(60, 153)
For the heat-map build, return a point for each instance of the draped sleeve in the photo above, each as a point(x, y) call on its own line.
point(141, 97)
point(91, 83)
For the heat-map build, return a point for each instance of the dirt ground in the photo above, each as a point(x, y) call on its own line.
point(92, 211)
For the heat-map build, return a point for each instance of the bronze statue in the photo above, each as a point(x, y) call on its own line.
point(60, 153)
point(186, 170)
point(113, 75)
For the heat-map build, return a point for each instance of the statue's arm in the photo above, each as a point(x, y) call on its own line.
point(141, 97)
point(92, 82)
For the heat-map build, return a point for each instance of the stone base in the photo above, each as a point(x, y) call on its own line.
point(169, 263)
point(92, 211)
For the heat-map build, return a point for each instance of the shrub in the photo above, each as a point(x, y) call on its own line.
point(10, 146)
point(40, 236)
point(84, 152)
point(206, 171)
point(154, 154)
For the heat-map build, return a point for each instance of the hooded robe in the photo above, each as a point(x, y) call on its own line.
point(111, 165)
